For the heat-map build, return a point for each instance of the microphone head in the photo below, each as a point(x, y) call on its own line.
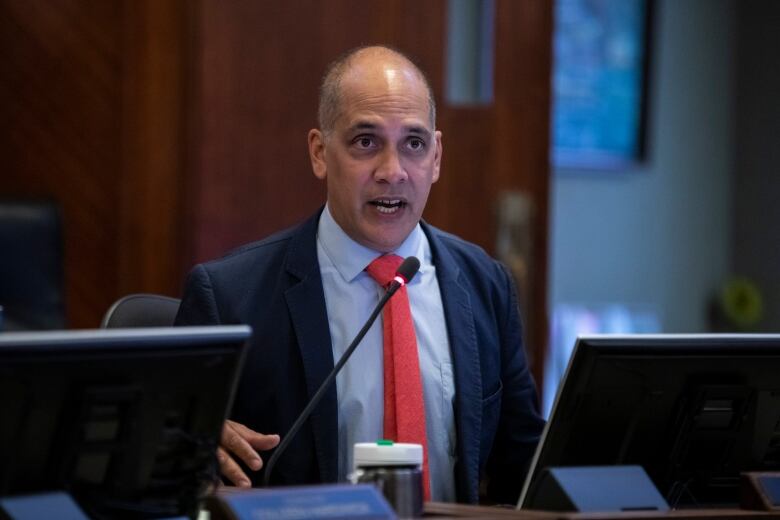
point(408, 268)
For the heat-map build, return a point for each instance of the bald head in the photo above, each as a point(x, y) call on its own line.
point(359, 63)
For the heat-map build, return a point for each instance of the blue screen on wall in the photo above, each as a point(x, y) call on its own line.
point(600, 49)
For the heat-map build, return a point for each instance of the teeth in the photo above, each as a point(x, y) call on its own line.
point(388, 206)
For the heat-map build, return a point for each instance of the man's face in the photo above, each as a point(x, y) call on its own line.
point(381, 157)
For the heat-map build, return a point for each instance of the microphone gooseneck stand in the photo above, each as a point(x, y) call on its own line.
point(405, 273)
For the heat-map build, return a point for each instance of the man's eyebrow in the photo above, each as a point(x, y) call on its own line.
point(417, 129)
point(362, 126)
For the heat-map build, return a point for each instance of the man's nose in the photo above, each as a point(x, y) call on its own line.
point(390, 168)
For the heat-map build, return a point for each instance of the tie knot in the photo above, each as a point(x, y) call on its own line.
point(383, 268)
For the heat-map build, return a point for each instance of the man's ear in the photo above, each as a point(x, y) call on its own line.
point(317, 153)
point(437, 156)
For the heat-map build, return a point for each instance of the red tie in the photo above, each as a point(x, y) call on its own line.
point(404, 406)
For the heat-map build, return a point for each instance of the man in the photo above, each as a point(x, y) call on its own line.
point(306, 292)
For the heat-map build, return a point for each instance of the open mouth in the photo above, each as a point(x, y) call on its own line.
point(388, 206)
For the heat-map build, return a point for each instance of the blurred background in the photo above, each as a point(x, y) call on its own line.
point(621, 156)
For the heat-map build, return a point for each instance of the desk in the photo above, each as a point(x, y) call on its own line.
point(464, 511)
point(441, 509)
point(450, 510)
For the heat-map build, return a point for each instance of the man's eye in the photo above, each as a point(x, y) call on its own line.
point(416, 144)
point(364, 142)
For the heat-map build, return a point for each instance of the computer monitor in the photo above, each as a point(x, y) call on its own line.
point(693, 410)
point(126, 420)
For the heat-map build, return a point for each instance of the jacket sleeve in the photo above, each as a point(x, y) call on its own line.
point(520, 425)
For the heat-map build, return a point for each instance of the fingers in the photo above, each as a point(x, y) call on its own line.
point(242, 442)
point(233, 441)
point(231, 470)
point(258, 441)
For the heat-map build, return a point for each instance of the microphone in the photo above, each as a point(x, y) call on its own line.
point(403, 276)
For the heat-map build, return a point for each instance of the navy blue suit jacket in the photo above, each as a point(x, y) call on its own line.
point(275, 286)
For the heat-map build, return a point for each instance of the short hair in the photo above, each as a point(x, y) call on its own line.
point(330, 88)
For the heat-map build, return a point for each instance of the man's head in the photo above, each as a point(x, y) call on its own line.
point(330, 88)
point(377, 146)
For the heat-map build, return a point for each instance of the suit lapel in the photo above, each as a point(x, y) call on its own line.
point(454, 289)
point(306, 303)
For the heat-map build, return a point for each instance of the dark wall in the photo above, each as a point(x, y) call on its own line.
point(756, 244)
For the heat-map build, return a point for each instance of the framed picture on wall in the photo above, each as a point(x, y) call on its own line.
point(601, 62)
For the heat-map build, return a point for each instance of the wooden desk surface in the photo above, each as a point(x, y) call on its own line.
point(441, 509)
point(463, 511)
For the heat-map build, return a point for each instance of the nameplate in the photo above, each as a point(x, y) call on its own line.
point(760, 490)
point(44, 505)
point(359, 502)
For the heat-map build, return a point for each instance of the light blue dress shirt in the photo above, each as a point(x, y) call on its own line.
point(350, 296)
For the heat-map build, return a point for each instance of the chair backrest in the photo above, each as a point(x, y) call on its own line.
point(31, 267)
point(141, 310)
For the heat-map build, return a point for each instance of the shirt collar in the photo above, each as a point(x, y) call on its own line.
point(350, 258)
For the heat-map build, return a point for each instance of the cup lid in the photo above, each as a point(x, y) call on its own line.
point(387, 453)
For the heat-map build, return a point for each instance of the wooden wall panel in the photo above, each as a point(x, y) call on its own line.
point(522, 131)
point(155, 103)
point(60, 93)
point(91, 107)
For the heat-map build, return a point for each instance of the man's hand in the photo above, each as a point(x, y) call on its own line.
point(239, 441)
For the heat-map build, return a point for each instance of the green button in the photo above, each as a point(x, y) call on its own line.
point(384, 442)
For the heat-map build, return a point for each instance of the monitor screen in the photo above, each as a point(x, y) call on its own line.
point(126, 420)
point(693, 410)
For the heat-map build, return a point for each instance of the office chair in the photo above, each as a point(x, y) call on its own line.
point(31, 266)
point(141, 310)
